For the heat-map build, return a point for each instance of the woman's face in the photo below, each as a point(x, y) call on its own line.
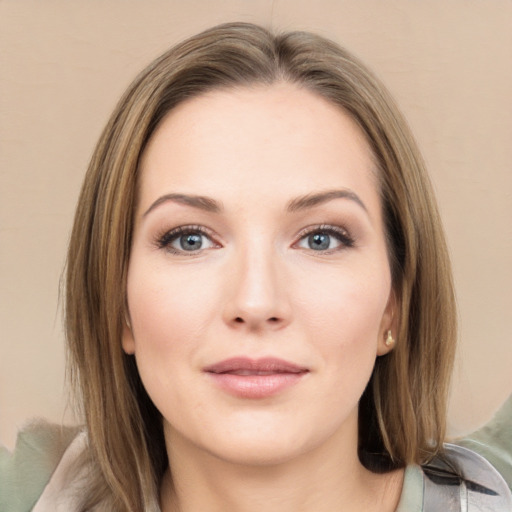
point(259, 289)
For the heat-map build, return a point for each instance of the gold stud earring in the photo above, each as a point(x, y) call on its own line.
point(390, 341)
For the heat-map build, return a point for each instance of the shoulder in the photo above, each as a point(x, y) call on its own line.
point(64, 491)
point(494, 441)
point(26, 471)
point(462, 477)
point(475, 471)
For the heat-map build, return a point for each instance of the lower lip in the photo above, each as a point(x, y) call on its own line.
point(255, 386)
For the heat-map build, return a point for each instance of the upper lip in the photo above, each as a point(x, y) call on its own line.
point(266, 365)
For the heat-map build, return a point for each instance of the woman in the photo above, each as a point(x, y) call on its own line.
point(259, 304)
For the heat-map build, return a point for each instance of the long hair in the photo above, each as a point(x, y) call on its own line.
point(402, 412)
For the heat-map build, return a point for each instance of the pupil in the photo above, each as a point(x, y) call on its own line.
point(319, 241)
point(191, 242)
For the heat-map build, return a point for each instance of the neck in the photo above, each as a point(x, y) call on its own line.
point(326, 479)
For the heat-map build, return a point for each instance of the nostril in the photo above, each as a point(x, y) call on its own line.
point(240, 320)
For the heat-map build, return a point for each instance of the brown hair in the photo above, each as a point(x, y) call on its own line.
point(402, 411)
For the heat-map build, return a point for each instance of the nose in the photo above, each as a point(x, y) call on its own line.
point(257, 297)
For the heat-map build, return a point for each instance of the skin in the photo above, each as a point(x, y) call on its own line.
point(258, 287)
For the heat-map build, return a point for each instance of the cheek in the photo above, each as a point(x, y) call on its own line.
point(169, 316)
point(344, 307)
point(167, 305)
point(342, 313)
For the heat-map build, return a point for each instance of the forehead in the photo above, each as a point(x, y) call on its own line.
point(272, 141)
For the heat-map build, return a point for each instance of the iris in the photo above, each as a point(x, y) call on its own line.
point(319, 241)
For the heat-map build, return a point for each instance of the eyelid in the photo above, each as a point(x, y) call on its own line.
point(164, 238)
point(343, 235)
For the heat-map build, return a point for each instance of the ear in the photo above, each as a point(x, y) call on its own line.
point(128, 341)
point(388, 324)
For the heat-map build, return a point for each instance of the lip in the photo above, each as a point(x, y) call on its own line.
point(244, 377)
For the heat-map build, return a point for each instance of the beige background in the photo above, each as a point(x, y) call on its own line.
point(64, 64)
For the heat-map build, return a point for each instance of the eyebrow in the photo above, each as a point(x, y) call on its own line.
point(298, 204)
point(311, 200)
point(201, 202)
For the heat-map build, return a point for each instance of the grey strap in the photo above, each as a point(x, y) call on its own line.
point(463, 481)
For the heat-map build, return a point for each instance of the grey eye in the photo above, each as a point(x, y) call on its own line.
point(323, 240)
point(319, 241)
point(189, 242)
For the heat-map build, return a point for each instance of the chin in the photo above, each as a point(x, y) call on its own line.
point(246, 439)
point(272, 442)
point(257, 451)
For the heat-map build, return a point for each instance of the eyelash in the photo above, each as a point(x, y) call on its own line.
point(341, 234)
point(165, 240)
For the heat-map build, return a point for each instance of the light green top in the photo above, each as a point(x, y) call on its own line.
point(25, 473)
point(493, 442)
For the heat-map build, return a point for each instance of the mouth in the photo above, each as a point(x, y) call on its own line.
point(255, 378)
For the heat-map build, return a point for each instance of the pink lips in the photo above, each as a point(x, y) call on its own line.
point(249, 378)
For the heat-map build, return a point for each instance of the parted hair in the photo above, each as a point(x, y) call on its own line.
point(402, 413)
